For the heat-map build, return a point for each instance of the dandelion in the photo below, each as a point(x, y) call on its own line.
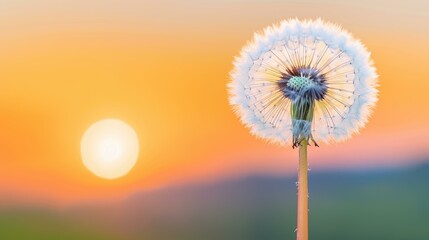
point(303, 82)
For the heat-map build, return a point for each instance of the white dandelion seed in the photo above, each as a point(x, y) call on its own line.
point(302, 81)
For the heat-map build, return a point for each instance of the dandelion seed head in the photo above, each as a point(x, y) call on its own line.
point(302, 79)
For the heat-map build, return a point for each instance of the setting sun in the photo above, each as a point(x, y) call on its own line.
point(109, 148)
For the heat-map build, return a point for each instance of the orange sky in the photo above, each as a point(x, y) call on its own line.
point(162, 67)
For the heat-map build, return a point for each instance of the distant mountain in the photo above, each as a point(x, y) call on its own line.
point(344, 205)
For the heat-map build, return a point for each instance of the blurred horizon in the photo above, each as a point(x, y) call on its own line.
point(53, 205)
point(376, 204)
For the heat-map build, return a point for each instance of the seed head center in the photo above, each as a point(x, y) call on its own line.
point(300, 83)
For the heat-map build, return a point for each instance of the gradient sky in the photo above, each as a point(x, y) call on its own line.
point(162, 67)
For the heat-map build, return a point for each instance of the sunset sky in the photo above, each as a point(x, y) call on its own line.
point(162, 67)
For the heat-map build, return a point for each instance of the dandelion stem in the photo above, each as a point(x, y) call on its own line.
point(302, 213)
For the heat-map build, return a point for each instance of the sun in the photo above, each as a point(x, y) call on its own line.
point(109, 148)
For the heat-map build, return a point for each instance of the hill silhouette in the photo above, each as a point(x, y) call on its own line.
point(374, 204)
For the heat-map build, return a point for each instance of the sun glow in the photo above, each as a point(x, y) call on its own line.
point(109, 148)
